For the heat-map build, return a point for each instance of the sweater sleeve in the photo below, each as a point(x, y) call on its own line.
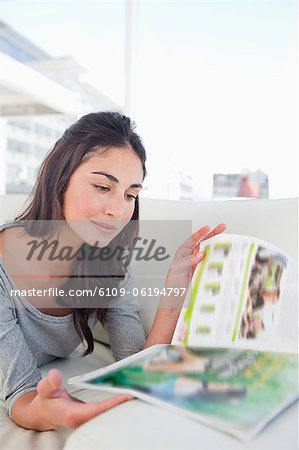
point(123, 324)
point(18, 368)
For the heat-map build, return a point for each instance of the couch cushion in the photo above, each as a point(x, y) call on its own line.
point(142, 426)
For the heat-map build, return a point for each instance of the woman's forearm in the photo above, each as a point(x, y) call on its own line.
point(163, 326)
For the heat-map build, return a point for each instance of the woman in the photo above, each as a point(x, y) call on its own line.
point(85, 199)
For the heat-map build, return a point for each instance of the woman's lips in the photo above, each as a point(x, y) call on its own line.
point(109, 229)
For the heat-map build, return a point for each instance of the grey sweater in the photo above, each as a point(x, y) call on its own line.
point(30, 338)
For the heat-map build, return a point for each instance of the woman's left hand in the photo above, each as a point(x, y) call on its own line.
point(187, 257)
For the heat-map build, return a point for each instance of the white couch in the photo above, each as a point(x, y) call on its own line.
point(137, 425)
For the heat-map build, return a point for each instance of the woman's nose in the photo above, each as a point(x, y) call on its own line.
point(114, 207)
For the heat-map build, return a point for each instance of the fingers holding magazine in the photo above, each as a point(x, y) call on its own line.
point(188, 256)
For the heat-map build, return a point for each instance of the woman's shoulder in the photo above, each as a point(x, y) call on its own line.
point(8, 231)
point(11, 224)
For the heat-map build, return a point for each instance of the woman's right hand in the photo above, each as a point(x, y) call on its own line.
point(52, 407)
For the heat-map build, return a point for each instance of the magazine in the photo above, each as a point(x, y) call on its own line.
point(243, 294)
point(234, 390)
point(232, 363)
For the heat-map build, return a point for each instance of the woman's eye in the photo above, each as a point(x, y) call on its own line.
point(130, 197)
point(101, 188)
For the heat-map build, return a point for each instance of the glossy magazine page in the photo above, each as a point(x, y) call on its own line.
point(237, 391)
point(243, 294)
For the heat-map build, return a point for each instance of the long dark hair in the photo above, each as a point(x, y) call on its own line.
point(92, 133)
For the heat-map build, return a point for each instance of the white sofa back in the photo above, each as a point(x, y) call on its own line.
point(275, 221)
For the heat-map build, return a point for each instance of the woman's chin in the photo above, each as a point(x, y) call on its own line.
point(98, 242)
point(97, 239)
point(93, 235)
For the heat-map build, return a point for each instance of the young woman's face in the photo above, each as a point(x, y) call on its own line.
point(101, 194)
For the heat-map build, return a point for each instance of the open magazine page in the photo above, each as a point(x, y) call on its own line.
point(235, 390)
point(244, 294)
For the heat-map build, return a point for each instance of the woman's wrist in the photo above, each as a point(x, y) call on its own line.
point(29, 413)
point(164, 323)
point(23, 413)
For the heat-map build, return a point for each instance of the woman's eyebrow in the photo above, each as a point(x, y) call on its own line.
point(116, 180)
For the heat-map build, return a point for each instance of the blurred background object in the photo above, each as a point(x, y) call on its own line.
point(245, 184)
